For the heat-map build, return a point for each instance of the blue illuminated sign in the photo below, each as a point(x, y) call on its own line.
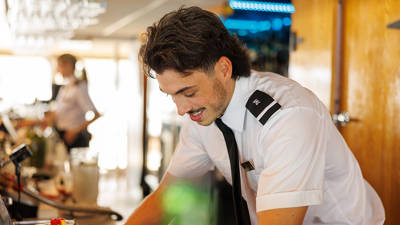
point(262, 6)
point(256, 26)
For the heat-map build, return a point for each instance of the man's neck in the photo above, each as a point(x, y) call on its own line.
point(230, 91)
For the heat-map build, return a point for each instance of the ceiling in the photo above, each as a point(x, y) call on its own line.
point(124, 19)
point(121, 23)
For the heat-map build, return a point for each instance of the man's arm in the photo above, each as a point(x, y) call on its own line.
point(287, 216)
point(70, 135)
point(150, 211)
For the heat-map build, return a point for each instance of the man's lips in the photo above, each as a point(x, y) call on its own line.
point(196, 115)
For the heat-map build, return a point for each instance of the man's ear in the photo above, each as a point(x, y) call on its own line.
point(224, 67)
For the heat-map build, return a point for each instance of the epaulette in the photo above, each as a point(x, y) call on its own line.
point(262, 106)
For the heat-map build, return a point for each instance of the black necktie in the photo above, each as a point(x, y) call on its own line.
point(241, 212)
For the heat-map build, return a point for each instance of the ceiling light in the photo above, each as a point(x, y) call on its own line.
point(41, 22)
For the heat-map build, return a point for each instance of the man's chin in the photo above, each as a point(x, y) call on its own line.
point(205, 122)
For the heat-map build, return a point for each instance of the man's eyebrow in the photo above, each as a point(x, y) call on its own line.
point(179, 91)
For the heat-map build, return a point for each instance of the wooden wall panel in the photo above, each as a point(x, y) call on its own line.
point(370, 86)
point(371, 69)
point(311, 63)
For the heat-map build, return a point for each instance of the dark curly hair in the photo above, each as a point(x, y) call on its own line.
point(191, 39)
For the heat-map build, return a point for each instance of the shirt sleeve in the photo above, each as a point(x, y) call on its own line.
point(190, 158)
point(83, 98)
point(294, 149)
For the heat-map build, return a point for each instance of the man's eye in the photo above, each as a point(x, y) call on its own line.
point(190, 94)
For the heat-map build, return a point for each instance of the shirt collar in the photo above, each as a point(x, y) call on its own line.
point(236, 110)
point(71, 81)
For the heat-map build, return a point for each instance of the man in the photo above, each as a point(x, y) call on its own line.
point(295, 167)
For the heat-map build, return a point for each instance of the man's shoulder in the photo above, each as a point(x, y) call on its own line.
point(275, 87)
point(273, 93)
point(288, 92)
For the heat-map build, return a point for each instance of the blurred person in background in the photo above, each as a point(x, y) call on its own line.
point(74, 110)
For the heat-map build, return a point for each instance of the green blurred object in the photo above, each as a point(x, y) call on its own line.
point(184, 203)
point(38, 147)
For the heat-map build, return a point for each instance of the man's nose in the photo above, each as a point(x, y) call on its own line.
point(182, 105)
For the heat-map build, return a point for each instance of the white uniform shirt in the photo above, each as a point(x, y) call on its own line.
point(300, 158)
point(72, 103)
